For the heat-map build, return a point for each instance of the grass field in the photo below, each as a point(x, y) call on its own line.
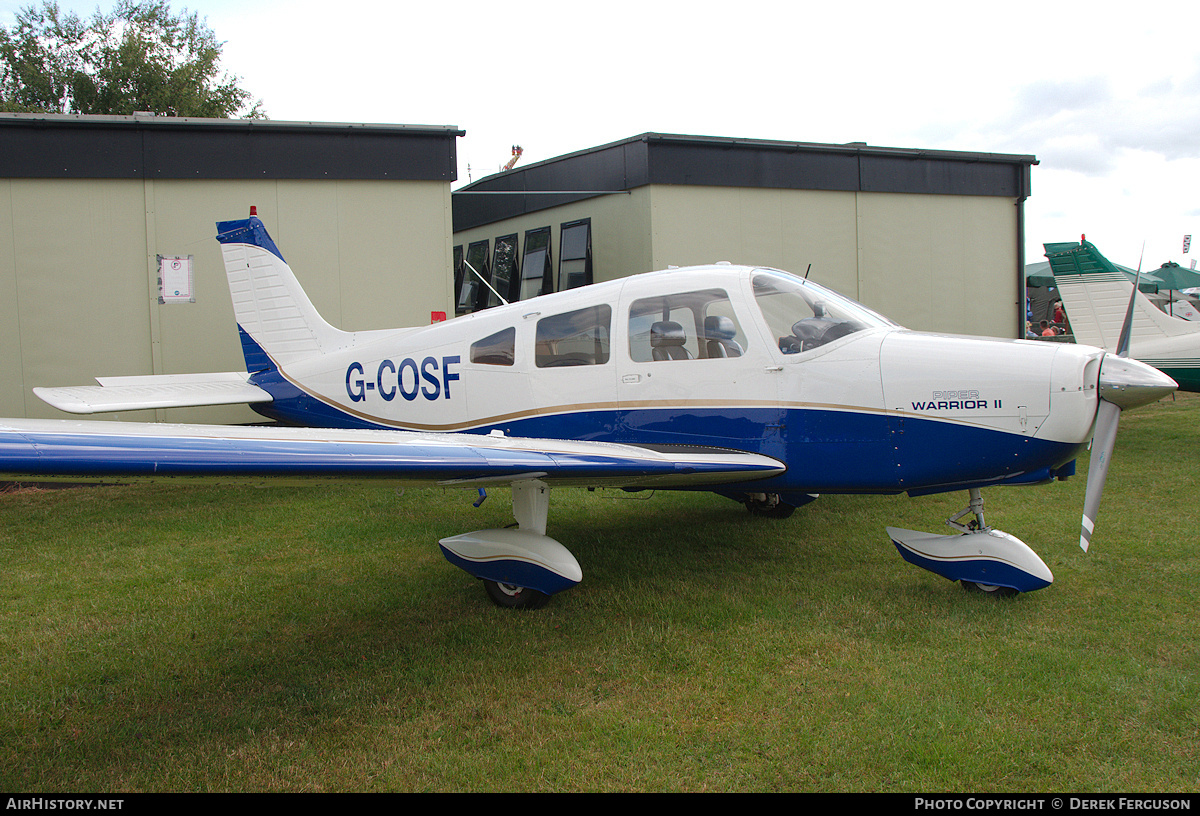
point(190, 638)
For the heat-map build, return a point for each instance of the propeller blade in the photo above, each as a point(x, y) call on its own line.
point(1103, 440)
point(1123, 383)
point(1127, 326)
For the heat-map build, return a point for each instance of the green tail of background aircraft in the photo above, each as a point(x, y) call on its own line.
point(1096, 294)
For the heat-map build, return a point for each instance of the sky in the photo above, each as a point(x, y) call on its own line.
point(1106, 97)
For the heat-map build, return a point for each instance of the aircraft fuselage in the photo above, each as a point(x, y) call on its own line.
point(748, 359)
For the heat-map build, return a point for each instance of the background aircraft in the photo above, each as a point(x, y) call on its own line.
point(748, 382)
point(1096, 295)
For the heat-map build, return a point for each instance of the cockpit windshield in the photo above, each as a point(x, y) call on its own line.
point(803, 315)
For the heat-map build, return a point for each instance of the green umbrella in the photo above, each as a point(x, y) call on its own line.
point(1174, 276)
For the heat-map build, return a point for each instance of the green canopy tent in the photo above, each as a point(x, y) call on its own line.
point(1174, 277)
point(1038, 275)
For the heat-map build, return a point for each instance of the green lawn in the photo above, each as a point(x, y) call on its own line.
point(179, 637)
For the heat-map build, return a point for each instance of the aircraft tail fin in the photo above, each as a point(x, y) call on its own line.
point(1095, 293)
point(272, 309)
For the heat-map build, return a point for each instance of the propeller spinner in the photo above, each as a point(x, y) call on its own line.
point(1124, 383)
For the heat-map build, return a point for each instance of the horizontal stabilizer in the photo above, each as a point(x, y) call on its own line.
point(155, 391)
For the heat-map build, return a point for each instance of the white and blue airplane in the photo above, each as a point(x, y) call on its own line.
point(1095, 293)
point(747, 382)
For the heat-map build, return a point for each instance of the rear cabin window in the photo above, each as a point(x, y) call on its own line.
point(574, 338)
point(696, 325)
point(495, 349)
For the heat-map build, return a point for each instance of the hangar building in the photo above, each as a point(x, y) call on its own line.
point(932, 239)
point(96, 210)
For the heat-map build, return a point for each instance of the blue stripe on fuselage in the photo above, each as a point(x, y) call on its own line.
point(827, 450)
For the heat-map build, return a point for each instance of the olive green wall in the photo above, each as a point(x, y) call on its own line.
point(930, 262)
point(78, 280)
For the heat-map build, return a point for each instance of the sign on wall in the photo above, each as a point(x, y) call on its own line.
point(175, 279)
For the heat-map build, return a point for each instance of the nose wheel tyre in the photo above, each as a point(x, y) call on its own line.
point(989, 589)
point(768, 505)
point(510, 596)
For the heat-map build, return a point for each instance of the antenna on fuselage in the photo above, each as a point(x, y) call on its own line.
point(806, 271)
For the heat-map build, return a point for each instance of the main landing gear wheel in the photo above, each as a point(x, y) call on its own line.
point(768, 505)
point(989, 589)
point(510, 596)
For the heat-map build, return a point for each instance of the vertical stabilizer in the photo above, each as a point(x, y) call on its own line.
point(268, 301)
point(1096, 295)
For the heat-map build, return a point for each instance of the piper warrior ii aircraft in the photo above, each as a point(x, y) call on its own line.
point(748, 382)
point(1095, 294)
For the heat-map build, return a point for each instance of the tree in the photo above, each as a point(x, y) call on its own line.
point(139, 57)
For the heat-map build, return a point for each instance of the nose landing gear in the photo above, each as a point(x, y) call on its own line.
point(983, 559)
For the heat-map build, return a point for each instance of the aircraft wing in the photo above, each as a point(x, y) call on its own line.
point(155, 391)
point(68, 448)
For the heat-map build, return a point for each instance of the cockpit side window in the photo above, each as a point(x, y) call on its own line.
point(695, 325)
point(495, 349)
point(574, 338)
point(802, 315)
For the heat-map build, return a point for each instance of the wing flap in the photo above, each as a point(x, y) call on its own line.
point(155, 391)
point(57, 448)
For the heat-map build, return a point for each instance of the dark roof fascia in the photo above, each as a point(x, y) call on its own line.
point(655, 158)
point(162, 147)
point(616, 167)
point(858, 148)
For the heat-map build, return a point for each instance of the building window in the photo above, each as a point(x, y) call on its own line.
point(472, 294)
point(536, 269)
point(504, 267)
point(575, 254)
point(458, 270)
point(575, 338)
